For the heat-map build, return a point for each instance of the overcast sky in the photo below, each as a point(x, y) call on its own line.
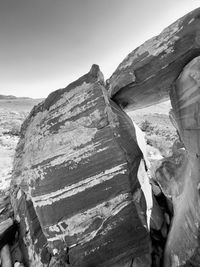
point(46, 44)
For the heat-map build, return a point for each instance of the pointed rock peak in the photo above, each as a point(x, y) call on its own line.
point(94, 69)
point(96, 73)
point(93, 76)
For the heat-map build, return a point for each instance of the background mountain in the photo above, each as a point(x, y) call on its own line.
point(12, 97)
point(7, 97)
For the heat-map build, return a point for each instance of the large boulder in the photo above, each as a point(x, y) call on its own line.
point(145, 76)
point(179, 175)
point(76, 174)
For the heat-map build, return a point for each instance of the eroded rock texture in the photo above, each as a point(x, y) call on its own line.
point(179, 175)
point(76, 166)
point(145, 76)
point(32, 243)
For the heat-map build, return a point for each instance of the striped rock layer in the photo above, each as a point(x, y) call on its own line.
point(77, 162)
point(145, 76)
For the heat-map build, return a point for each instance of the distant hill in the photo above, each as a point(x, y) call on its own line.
point(12, 97)
point(7, 97)
point(9, 103)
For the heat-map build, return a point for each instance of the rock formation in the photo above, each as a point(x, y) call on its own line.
point(78, 166)
point(183, 241)
point(80, 188)
point(145, 76)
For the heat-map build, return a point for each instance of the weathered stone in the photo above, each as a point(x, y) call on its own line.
point(173, 177)
point(145, 76)
point(77, 164)
point(31, 240)
point(179, 175)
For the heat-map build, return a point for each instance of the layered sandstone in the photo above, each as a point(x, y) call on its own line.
point(76, 177)
point(145, 76)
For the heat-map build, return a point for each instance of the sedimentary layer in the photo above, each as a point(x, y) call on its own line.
point(78, 163)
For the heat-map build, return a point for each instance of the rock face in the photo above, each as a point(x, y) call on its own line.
point(145, 76)
point(76, 166)
point(148, 75)
point(183, 242)
point(179, 175)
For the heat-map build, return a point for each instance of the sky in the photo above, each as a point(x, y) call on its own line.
point(47, 44)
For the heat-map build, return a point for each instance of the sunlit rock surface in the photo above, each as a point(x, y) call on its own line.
point(144, 77)
point(76, 167)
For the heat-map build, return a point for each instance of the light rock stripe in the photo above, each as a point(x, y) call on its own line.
point(190, 102)
point(76, 188)
point(40, 171)
point(79, 223)
point(187, 93)
point(155, 45)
